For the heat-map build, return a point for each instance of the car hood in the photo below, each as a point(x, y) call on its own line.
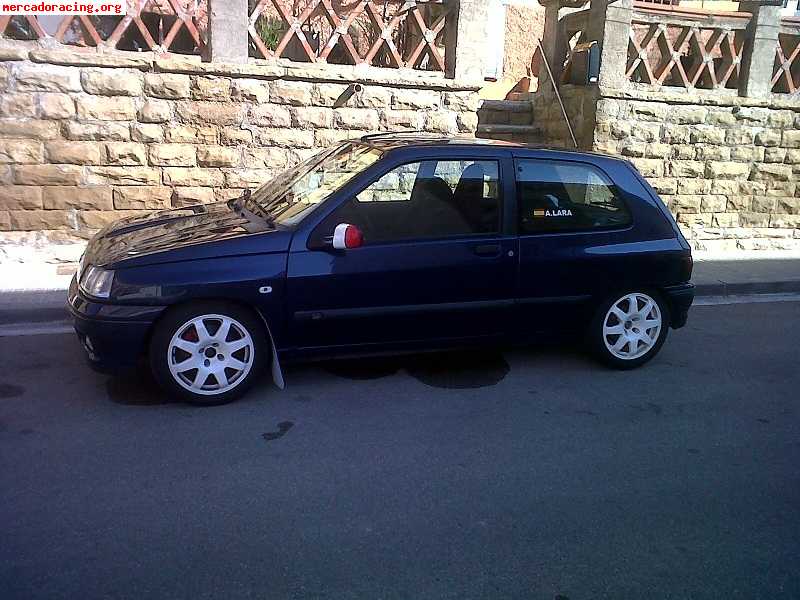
point(191, 233)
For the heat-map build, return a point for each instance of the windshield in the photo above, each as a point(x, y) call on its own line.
point(290, 196)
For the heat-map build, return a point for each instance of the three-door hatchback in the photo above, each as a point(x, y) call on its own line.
point(388, 243)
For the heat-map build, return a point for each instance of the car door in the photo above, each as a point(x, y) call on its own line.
point(438, 260)
point(569, 211)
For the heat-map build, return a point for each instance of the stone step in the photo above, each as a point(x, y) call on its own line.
point(514, 129)
point(516, 106)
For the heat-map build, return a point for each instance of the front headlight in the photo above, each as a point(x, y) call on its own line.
point(97, 282)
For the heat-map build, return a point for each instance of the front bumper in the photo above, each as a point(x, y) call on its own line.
point(113, 335)
point(680, 298)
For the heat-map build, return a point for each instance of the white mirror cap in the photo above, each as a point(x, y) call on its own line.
point(347, 236)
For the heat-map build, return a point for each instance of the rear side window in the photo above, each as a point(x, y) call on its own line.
point(567, 196)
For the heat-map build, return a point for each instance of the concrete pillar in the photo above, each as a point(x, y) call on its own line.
point(471, 43)
point(610, 26)
point(758, 57)
point(227, 38)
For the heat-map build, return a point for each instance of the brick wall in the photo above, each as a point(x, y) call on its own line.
point(88, 138)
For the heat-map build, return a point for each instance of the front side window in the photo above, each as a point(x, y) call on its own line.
point(425, 200)
point(567, 196)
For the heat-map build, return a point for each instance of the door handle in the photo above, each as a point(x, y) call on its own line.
point(487, 250)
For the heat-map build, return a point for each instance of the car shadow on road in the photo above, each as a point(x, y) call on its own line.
point(136, 389)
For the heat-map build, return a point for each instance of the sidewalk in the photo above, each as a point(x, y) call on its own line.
point(747, 273)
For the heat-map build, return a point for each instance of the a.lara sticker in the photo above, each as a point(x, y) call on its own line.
point(561, 212)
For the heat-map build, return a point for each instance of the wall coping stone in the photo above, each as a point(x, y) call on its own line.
point(700, 97)
point(254, 69)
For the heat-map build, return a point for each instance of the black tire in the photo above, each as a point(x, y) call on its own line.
point(596, 338)
point(162, 353)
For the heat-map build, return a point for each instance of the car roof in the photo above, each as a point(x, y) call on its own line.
point(406, 141)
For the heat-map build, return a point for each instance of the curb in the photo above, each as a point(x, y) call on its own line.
point(50, 306)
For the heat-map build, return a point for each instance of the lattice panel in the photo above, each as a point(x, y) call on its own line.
point(392, 33)
point(664, 54)
point(786, 77)
point(157, 25)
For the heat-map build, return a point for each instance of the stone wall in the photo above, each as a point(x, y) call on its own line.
point(86, 138)
point(727, 167)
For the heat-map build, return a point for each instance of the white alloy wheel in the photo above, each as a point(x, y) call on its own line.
point(631, 326)
point(210, 354)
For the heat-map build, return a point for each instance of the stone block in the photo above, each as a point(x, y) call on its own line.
point(18, 106)
point(294, 93)
point(217, 113)
point(101, 108)
point(633, 148)
point(271, 115)
point(683, 152)
point(247, 178)
point(712, 203)
point(193, 177)
point(374, 97)
point(774, 155)
point(658, 150)
point(772, 172)
point(328, 137)
point(218, 156)
point(233, 136)
point(5, 216)
point(415, 99)
point(112, 82)
point(47, 78)
point(167, 85)
point(713, 153)
point(650, 111)
point(98, 219)
point(292, 138)
point(739, 136)
point(792, 157)
point(750, 219)
point(190, 196)
point(620, 129)
point(649, 167)
point(725, 219)
point(721, 118)
point(211, 88)
point(250, 90)
point(309, 117)
point(468, 102)
point(791, 138)
point(784, 220)
point(328, 94)
point(686, 168)
point(358, 118)
point(48, 174)
point(747, 154)
point(56, 106)
point(124, 175)
point(20, 197)
point(467, 122)
point(648, 132)
point(694, 186)
point(726, 170)
point(74, 153)
point(142, 198)
point(751, 115)
point(126, 153)
point(113, 132)
point(440, 121)
point(189, 134)
point(685, 204)
point(155, 111)
point(38, 220)
point(676, 134)
point(664, 185)
point(780, 119)
point(26, 152)
point(84, 198)
point(28, 128)
point(707, 134)
point(686, 115)
point(768, 138)
point(763, 204)
point(147, 133)
point(403, 119)
point(269, 158)
point(788, 205)
point(172, 155)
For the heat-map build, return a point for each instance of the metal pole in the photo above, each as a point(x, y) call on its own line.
point(558, 94)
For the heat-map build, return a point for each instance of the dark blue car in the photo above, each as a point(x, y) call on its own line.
point(389, 243)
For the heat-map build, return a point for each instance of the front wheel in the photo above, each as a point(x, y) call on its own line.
point(208, 353)
point(629, 329)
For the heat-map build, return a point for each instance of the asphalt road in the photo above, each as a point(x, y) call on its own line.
point(530, 474)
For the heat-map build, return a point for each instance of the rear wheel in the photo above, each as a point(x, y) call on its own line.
point(208, 353)
point(629, 329)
